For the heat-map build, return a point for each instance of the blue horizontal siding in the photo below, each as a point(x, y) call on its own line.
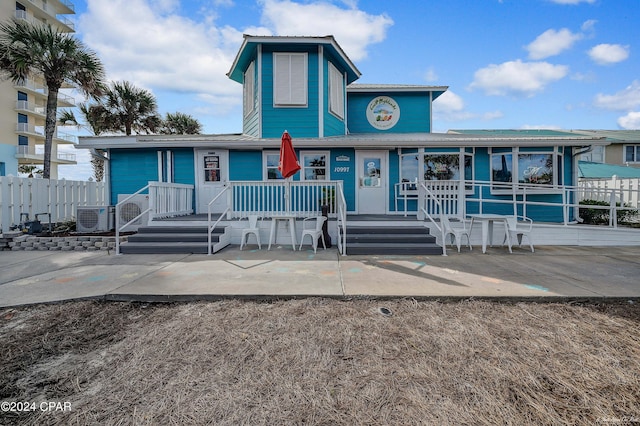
point(415, 112)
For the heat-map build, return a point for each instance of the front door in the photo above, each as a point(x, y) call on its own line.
point(212, 174)
point(372, 177)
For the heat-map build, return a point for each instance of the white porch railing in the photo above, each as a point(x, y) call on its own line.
point(301, 198)
point(455, 199)
point(240, 199)
point(60, 198)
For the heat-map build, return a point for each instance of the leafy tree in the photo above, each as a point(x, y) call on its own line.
point(38, 49)
point(180, 124)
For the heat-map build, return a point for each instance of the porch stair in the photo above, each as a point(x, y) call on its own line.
point(391, 240)
point(171, 239)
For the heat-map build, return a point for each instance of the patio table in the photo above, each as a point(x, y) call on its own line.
point(273, 233)
point(487, 219)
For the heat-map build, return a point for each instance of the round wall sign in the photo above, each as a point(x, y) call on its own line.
point(383, 112)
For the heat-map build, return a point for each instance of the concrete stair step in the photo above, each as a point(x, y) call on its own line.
point(393, 248)
point(172, 237)
point(163, 248)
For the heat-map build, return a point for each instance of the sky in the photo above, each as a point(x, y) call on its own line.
point(509, 64)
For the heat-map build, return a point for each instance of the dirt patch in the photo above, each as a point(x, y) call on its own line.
point(320, 361)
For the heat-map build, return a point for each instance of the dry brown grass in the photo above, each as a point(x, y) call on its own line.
point(320, 361)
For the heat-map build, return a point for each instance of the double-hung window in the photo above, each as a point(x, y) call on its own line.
point(336, 91)
point(289, 79)
point(632, 153)
point(315, 165)
point(271, 159)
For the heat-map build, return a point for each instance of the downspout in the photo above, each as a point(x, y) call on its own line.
point(580, 150)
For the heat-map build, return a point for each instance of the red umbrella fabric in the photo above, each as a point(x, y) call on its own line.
point(289, 164)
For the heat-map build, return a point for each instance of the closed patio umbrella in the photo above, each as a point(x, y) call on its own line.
point(289, 164)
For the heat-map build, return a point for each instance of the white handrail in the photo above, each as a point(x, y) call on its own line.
point(118, 207)
point(342, 221)
point(210, 227)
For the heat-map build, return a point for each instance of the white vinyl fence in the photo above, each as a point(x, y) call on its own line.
point(625, 190)
point(34, 196)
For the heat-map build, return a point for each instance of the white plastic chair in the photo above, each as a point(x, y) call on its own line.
point(519, 226)
point(252, 228)
point(456, 232)
point(313, 230)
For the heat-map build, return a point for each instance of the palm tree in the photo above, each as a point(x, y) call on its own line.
point(98, 122)
point(180, 124)
point(131, 109)
point(27, 49)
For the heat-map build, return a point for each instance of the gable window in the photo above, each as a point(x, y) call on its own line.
point(290, 79)
point(632, 153)
point(314, 165)
point(336, 91)
point(249, 90)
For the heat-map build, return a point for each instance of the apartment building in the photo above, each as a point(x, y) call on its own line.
point(23, 105)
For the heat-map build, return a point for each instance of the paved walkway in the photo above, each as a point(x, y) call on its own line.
point(29, 277)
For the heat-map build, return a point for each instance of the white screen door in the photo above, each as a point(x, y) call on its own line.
point(372, 176)
point(212, 174)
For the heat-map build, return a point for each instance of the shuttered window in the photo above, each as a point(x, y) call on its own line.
point(290, 79)
point(249, 90)
point(336, 91)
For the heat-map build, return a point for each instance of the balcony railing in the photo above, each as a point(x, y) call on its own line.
point(31, 107)
point(38, 131)
point(37, 153)
point(41, 89)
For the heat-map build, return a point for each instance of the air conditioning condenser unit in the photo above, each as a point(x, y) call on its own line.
point(95, 218)
point(132, 208)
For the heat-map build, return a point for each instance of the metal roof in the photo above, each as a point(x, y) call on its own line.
point(363, 140)
point(587, 169)
point(250, 43)
point(613, 135)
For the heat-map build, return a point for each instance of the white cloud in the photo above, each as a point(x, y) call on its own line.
point(624, 100)
point(607, 54)
point(448, 102)
point(631, 121)
point(430, 75)
point(551, 43)
point(354, 29)
point(451, 107)
point(517, 77)
point(157, 51)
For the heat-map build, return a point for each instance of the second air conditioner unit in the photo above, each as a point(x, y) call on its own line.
point(131, 209)
point(94, 218)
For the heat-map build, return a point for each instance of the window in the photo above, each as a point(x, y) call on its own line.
point(249, 90)
point(632, 153)
point(211, 168)
point(531, 167)
point(336, 91)
point(315, 166)
point(290, 79)
point(271, 160)
point(409, 164)
point(23, 140)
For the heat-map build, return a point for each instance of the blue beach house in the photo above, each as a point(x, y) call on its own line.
point(364, 149)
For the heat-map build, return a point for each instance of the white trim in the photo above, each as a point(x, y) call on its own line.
point(170, 176)
point(159, 153)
